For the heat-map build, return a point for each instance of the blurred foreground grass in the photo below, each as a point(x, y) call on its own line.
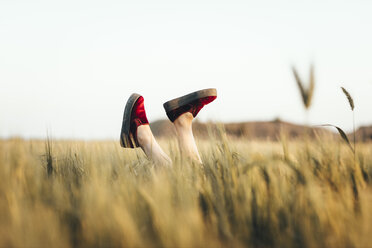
point(245, 194)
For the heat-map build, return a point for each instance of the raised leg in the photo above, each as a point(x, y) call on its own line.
point(185, 137)
point(152, 149)
point(181, 111)
point(136, 132)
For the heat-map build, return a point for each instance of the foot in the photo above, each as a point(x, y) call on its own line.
point(134, 116)
point(192, 103)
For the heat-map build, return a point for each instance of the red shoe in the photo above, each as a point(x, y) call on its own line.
point(134, 116)
point(192, 103)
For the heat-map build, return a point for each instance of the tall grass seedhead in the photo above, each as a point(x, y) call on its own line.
point(49, 156)
point(306, 92)
point(351, 102)
point(349, 98)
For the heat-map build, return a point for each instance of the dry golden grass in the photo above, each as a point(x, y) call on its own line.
point(245, 194)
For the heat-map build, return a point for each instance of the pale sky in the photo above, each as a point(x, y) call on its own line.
point(69, 66)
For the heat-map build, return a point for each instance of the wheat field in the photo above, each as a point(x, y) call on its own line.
point(57, 193)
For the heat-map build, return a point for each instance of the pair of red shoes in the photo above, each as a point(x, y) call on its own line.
point(135, 114)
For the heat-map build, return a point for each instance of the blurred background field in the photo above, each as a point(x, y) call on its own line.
point(283, 193)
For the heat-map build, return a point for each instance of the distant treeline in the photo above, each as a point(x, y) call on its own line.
point(261, 130)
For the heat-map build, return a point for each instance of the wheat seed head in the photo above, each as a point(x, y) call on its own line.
point(306, 92)
point(349, 98)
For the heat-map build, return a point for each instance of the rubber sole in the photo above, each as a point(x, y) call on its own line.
point(126, 138)
point(186, 99)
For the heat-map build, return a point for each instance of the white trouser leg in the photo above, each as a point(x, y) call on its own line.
point(186, 139)
point(151, 148)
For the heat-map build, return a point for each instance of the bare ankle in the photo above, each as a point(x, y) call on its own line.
point(184, 120)
point(143, 135)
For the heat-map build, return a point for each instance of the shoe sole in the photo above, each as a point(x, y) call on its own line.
point(126, 138)
point(186, 99)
